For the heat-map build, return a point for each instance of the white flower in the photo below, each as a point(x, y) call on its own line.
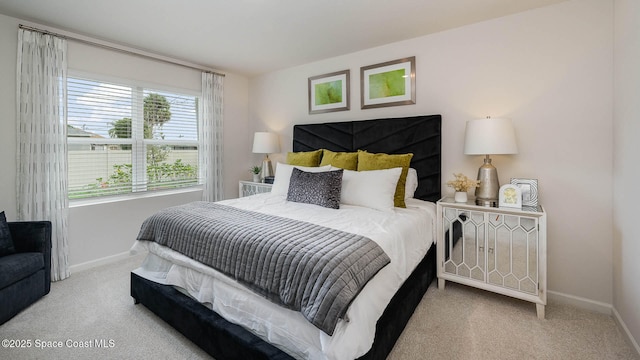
point(462, 183)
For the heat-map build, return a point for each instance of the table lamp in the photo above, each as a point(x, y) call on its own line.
point(266, 143)
point(489, 137)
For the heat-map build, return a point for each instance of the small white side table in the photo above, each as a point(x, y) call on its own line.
point(247, 188)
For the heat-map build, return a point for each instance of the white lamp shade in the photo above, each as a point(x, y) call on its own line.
point(265, 143)
point(490, 137)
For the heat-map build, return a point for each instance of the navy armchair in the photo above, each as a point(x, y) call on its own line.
point(25, 276)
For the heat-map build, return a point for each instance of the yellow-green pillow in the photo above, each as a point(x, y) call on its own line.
point(371, 161)
point(344, 160)
point(304, 158)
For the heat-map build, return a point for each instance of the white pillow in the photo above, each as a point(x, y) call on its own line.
point(373, 188)
point(283, 175)
point(411, 184)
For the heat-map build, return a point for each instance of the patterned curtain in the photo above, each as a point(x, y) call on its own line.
point(210, 136)
point(42, 139)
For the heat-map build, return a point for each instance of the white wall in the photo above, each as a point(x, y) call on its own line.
point(549, 70)
point(626, 169)
point(99, 231)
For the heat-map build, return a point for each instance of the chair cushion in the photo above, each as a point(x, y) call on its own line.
point(16, 267)
point(6, 243)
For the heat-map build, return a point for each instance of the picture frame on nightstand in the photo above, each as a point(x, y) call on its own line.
point(529, 189)
point(510, 196)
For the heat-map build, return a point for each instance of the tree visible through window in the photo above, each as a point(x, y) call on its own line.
point(126, 139)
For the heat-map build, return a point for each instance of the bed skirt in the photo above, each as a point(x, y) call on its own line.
point(224, 340)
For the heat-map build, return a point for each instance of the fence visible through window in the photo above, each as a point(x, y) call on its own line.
point(128, 139)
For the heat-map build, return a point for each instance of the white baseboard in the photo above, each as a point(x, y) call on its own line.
point(102, 261)
point(596, 306)
point(625, 331)
point(580, 302)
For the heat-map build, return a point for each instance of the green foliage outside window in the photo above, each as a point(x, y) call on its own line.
point(160, 175)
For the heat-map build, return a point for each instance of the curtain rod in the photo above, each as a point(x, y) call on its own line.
point(120, 50)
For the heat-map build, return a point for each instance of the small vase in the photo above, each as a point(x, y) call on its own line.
point(460, 197)
point(256, 178)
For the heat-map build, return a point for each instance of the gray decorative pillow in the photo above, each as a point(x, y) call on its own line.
point(6, 243)
point(318, 188)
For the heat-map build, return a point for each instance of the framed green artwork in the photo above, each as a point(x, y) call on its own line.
point(388, 84)
point(329, 92)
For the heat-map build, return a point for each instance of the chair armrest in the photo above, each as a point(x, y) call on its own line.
point(33, 236)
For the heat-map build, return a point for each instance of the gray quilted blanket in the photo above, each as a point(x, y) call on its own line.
point(302, 266)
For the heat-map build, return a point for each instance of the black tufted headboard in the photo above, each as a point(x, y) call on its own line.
point(419, 135)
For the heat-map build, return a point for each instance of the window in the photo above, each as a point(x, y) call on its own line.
point(129, 139)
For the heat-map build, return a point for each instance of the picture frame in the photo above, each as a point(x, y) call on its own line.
point(329, 92)
point(529, 189)
point(510, 196)
point(391, 83)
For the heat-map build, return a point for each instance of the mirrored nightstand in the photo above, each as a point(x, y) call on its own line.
point(502, 250)
point(247, 188)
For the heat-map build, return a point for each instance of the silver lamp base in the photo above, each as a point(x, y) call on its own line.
point(267, 169)
point(487, 191)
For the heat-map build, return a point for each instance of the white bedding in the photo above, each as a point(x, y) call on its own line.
point(404, 234)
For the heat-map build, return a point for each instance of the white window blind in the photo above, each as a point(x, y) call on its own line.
point(129, 139)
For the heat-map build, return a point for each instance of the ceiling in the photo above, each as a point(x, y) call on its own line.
point(252, 37)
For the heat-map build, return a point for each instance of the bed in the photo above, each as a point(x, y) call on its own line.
point(224, 339)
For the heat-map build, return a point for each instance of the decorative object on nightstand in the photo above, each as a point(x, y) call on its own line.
point(489, 137)
point(266, 143)
point(461, 185)
point(503, 250)
point(529, 189)
point(510, 196)
point(255, 171)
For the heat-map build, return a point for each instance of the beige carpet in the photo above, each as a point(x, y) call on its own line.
point(456, 323)
point(460, 322)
